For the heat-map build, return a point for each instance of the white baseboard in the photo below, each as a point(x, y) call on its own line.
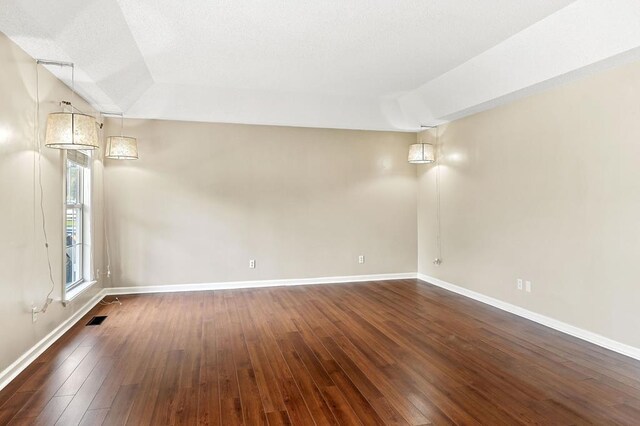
point(28, 357)
point(580, 333)
point(114, 291)
point(10, 373)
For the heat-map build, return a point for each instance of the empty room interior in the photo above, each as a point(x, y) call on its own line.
point(333, 212)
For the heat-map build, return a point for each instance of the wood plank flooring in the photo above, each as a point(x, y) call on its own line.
point(387, 352)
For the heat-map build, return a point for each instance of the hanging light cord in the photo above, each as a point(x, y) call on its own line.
point(104, 196)
point(104, 225)
point(94, 276)
point(104, 201)
point(73, 85)
point(438, 260)
point(37, 144)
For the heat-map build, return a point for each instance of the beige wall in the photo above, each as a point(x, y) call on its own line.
point(23, 268)
point(545, 189)
point(205, 198)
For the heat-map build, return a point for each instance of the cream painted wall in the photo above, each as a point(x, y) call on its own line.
point(546, 189)
point(205, 198)
point(23, 268)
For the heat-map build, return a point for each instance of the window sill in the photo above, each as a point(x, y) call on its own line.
point(78, 290)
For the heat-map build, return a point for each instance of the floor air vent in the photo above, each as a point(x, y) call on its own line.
point(97, 320)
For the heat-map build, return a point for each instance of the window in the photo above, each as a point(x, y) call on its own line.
point(77, 219)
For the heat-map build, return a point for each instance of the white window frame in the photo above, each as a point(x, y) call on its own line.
point(86, 232)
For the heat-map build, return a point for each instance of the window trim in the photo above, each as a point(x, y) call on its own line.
point(79, 244)
point(86, 280)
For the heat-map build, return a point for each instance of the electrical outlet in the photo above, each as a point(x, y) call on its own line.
point(252, 263)
point(528, 286)
point(34, 314)
point(361, 258)
point(519, 283)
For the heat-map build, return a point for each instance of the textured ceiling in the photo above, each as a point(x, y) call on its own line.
point(332, 46)
point(362, 64)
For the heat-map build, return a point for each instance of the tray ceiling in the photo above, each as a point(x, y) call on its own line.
point(357, 64)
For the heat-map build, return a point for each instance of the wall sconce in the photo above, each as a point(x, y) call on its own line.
point(70, 130)
point(121, 147)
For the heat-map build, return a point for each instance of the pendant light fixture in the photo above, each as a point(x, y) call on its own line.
point(121, 147)
point(70, 130)
point(421, 153)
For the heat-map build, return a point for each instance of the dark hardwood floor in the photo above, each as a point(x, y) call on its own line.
point(394, 352)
